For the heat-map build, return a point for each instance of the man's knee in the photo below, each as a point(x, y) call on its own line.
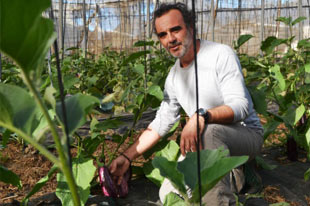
point(213, 137)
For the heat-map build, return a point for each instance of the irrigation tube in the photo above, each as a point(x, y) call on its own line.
point(197, 100)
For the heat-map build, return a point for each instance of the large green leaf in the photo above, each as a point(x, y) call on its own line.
point(285, 20)
point(307, 175)
point(299, 19)
point(24, 34)
point(207, 159)
point(156, 91)
point(18, 108)
point(77, 107)
point(9, 177)
point(292, 115)
point(259, 100)
point(271, 43)
point(277, 75)
point(83, 173)
point(211, 175)
point(170, 152)
point(173, 199)
point(169, 170)
point(243, 39)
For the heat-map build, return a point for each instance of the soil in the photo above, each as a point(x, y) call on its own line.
point(285, 183)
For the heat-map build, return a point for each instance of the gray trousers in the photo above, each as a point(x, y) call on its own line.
point(239, 140)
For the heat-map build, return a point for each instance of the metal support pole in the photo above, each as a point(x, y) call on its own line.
point(212, 20)
point(148, 31)
point(300, 25)
point(239, 17)
point(262, 29)
point(60, 24)
point(0, 68)
point(85, 30)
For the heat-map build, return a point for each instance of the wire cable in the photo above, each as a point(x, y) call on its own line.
point(197, 99)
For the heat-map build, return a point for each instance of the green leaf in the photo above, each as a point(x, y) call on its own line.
point(259, 100)
point(243, 39)
point(170, 152)
point(109, 124)
point(286, 20)
point(307, 175)
point(299, 19)
point(24, 34)
point(139, 68)
point(208, 159)
point(307, 68)
point(304, 43)
point(308, 137)
point(77, 107)
point(280, 204)
point(156, 91)
point(169, 170)
point(40, 183)
point(83, 173)
point(20, 106)
point(277, 75)
point(260, 161)
point(173, 199)
point(144, 43)
point(135, 56)
point(9, 177)
point(49, 96)
point(211, 175)
point(292, 115)
point(152, 173)
point(271, 43)
point(270, 127)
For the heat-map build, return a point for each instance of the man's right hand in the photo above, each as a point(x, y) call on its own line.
point(118, 168)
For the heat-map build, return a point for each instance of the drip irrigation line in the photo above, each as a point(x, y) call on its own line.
point(61, 90)
point(197, 100)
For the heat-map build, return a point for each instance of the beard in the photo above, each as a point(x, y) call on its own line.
point(185, 45)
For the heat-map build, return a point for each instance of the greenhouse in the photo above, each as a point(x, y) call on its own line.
point(163, 102)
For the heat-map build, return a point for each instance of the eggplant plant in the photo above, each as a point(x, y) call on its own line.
point(25, 37)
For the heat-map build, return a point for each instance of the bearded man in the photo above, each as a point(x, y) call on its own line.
point(226, 117)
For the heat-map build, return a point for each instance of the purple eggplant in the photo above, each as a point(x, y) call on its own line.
point(109, 187)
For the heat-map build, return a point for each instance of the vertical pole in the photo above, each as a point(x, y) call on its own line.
point(64, 30)
point(300, 25)
point(0, 67)
point(201, 21)
point(262, 17)
point(212, 20)
point(148, 20)
point(60, 23)
point(85, 30)
point(239, 17)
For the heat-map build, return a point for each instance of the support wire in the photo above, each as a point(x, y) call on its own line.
point(197, 99)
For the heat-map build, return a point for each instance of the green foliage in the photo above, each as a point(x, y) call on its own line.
point(9, 177)
point(173, 199)
point(214, 165)
point(83, 172)
point(25, 38)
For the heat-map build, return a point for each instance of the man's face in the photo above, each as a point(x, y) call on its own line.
point(173, 33)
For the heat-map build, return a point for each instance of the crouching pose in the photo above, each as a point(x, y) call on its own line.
point(226, 116)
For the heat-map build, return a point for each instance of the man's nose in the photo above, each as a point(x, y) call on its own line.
point(171, 37)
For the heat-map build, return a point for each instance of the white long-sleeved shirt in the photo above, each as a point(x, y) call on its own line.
point(220, 82)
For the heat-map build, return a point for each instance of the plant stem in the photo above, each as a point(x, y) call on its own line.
point(35, 144)
point(63, 159)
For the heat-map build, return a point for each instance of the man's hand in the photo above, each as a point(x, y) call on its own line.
point(118, 168)
point(189, 134)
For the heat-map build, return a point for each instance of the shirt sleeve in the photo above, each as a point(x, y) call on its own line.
point(232, 84)
point(168, 113)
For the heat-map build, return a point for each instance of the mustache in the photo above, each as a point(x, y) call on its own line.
point(173, 44)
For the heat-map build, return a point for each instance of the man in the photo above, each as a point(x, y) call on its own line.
point(226, 117)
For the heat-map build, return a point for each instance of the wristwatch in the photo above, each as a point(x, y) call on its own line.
point(204, 114)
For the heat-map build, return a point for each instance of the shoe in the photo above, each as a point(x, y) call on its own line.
point(253, 181)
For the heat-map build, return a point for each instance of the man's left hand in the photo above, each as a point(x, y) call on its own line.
point(189, 135)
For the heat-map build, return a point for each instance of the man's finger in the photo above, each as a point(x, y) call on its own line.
point(112, 168)
point(119, 181)
point(182, 146)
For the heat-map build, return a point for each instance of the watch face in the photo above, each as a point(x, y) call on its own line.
point(201, 112)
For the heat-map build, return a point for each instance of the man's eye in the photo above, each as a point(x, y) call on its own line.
point(161, 35)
